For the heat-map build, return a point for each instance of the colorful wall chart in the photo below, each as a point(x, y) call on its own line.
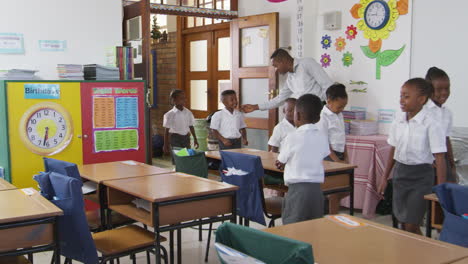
point(115, 110)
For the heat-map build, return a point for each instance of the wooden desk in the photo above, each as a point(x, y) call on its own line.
point(4, 185)
point(27, 223)
point(339, 177)
point(374, 243)
point(435, 215)
point(176, 199)
point(100, 172)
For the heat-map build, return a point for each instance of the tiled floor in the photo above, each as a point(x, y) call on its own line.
point(193, 250)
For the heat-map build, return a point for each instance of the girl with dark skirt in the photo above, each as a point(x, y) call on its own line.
point(416, 140)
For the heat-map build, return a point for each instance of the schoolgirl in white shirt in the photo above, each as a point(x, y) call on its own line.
point(416, 139)
point(436, 105)
point(332, 122)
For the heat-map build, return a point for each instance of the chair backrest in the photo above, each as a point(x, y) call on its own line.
point(269, 248)
point(62, 167)
point(453, 199)
point(75, 238)
point(194, 165)
point(249, 197)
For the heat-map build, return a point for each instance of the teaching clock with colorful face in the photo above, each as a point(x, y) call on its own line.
point(377, 14)
point(46, 128)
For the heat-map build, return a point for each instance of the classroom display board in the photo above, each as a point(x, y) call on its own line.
point(117, 129)
point(80, 122)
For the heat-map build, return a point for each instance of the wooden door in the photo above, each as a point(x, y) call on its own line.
point(254, 39)
point(207, 69)
point(198, 49)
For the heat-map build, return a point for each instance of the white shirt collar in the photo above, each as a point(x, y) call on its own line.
point(431, 104)
point(228, 112)
point(327, 111)
point(307, 127)
point(295, 64)
point(419, 118)
point(177, 109)
point(287, 123)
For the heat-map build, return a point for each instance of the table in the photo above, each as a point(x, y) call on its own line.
point(5, 186)
point(333, 242)
point(435, 215)
point(339, 177)
point(370, 154)
point(100, 172)
point(177, 201)
point(27, 223)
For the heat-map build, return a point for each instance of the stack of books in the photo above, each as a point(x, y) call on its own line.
point(70, 71)
point(18, 74)
point(352, 115)
point(364, 127)
point(124, 60)
point(100, 72)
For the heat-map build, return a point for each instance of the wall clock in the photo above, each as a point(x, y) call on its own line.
point(46, 128)
point(377, 14)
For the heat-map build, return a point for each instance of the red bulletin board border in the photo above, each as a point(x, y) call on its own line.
point(89, 156)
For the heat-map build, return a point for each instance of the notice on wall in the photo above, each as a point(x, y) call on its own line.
point(11, 43)
point(41, 91)
point(386, 115)
point(115, 140)
point(127, 112)
point(104, 112)
point(52, 45)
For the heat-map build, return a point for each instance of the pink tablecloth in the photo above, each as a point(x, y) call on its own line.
point(370, 154)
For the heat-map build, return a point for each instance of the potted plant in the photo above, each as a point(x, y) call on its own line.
point(155, 32)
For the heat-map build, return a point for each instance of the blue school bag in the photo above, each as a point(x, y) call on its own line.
point(453, 199)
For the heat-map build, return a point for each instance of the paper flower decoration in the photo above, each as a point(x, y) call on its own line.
point(375, 36)
point(325, 60)
point(340, 44)
point(351, 32)
point(347, 59)
point(326, 42)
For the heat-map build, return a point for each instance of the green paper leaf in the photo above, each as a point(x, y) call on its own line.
point(388, 57)
point(369, 53)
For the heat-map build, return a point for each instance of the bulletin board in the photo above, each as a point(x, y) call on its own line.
point(113, 121)
point(24, 163)
point(372, 64)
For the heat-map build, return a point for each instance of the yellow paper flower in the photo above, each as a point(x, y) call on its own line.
point(376, 36)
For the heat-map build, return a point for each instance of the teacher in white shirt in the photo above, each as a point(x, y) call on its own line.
point(304, 76)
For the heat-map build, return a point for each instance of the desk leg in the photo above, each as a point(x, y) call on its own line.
point(157, 241)
point(179, 246)
point(234, 209)
point(429, 219)
point(171, 246)
point(351, 193)
point(57, 243)
point(102, 206)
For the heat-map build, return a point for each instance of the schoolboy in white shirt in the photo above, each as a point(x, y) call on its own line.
point(332, 122)
point(178, 124)
point(302, 160)
point(228, 124)
point(283, 128)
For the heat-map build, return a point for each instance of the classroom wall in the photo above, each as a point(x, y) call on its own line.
point(431, 34)
point(88, 26)
point(439, 39)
